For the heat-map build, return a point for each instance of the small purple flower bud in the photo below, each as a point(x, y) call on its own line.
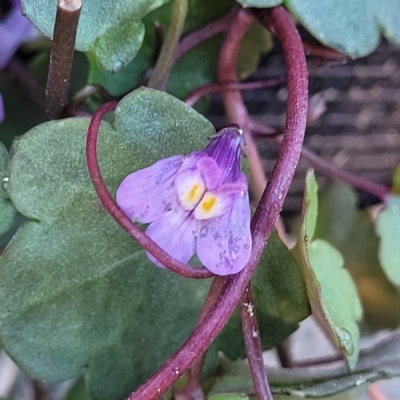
point(195, 204)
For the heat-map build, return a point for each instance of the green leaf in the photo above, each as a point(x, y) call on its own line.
point(196, 67)
point(202, 57)
point(388, 229)
point(396, 180)
point(345, 25)
point(387, 16)
point(331, 291)
point(340, 305)
point(112, 30)
point(256, 41)
point(280, 295)
point(91, 299)
point(7, 210)
point(280, 301)
point(352, 232)
point(310, 206)
point(350, 26)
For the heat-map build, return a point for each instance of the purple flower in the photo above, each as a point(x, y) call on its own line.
point(14, 30)
point(195, 204)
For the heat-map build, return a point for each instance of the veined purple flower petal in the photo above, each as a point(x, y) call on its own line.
point(195, 202)
point(224, 244)
point(14, 30)
point(209, 171)
point(175, 232)
point(145, 195)
point(226, 149)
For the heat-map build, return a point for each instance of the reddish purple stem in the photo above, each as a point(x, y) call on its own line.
point(337, 173)
point(251, 335)
point(204, 33)
point(201, 91)
point(265, 216)
point(112, 207)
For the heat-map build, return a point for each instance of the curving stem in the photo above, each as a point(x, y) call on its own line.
point(112, 207)
point(265, 216)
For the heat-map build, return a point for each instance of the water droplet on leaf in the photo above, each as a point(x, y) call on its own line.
point(346, 342)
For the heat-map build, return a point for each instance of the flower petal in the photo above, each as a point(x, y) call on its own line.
point(210, 172)
point(175, 232)
point(147, 194)
point(15, 29)
point(190, 188)
point(224, 244)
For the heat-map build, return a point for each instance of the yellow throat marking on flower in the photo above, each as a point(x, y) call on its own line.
point(194, 194)
point(208, 202)
point(209, 206)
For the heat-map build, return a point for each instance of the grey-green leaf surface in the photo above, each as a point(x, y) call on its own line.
point(91, 299)
point(7, 210)
point(112, 29)
point(388, 229)
point(349, 26)
point(331, 290)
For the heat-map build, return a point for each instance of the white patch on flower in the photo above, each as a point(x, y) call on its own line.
point(190, 188)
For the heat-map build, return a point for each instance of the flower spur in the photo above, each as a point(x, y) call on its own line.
point(197, 203)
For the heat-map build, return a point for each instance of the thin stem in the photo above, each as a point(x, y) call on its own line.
point(251, 335)
point(112, 207)
point(62, 53)
point(204, 33)
point(193, 390)
point(265, 216)
point(326, 167)
point(166, 57)
point(204, 90)
point(337, 173)
point(323, 52)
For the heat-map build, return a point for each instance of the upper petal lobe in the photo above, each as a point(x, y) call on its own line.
point(147, 194)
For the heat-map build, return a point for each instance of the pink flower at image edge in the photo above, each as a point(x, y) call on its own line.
point(197, 203)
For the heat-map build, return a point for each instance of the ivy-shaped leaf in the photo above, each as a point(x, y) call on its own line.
point(388, 229)
point(352, 232)
point(350, 26)
point(7, 210)
point(111, 29)
point(91, 299)
point(331, 291)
